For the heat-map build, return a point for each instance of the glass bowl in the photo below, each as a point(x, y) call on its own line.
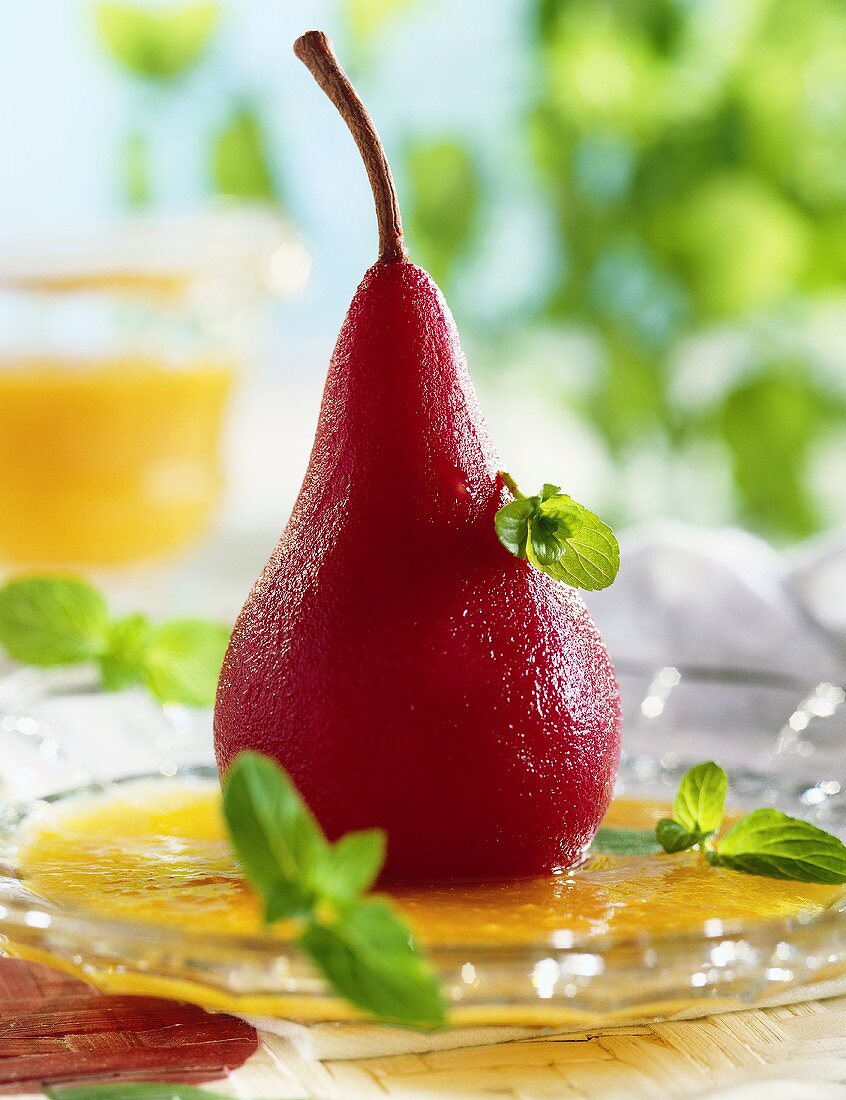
point(782, 743)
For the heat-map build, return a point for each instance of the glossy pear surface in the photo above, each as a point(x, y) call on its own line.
point(404, 668)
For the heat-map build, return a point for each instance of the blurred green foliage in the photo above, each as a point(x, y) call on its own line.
point(442, 202)
point(240, 161)
point(694, 157)
point(157, 43)
point(161, 46)
point(366, 18)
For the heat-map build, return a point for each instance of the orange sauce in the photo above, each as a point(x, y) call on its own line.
point(164, 858)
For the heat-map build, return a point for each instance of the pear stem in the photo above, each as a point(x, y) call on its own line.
point(315, 51)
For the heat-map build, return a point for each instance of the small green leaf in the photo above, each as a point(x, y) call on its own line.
point(701, 798)
point(549, 491)
point(625, 842)
point(768, 842)
point(547, 541)
point(368, 955)
point(281, 847)
point(512, 524)
point(124, 662)
point(184, 659)
point(159, 44)
point(674, 837)
point(352, 865)
point(590, 555)
point(148, 1090)
point(52, 621)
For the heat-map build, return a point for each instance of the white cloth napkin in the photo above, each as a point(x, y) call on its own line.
point(345, 1041)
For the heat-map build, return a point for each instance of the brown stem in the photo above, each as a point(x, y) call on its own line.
point(315, 51)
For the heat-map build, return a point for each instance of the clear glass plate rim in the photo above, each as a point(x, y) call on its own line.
point(16, 913)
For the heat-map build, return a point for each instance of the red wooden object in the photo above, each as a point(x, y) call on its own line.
point(54, 1028)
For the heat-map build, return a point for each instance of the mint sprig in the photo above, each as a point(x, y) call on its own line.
point(141, 1090)
point(700, 800)
point(358, 942)
point(765, 842)
point(559, 536)
point(53, 621)
point(768, 842)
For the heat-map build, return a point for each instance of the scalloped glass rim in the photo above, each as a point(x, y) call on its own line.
point(559, 981)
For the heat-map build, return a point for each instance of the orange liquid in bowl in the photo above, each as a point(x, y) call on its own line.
point(165, 858)
point(107, 462)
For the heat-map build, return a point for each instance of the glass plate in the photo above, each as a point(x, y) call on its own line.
point(782, 742)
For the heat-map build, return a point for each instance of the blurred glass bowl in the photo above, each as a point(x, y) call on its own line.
point(119, 348)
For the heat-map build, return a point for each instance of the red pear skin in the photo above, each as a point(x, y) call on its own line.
point(406, 670)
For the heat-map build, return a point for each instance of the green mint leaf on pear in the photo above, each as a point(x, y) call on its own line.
point(700, 800)
point(52, 621)
point(512, 524)
point(123, 664)
point(768, 842)
point(368, 955)
point(279, 844)
point(589, 556)
point(559, 536)
point(352, 865)
point(625, 842)
point(546, 545)
point(674, 837)
point(183, 661)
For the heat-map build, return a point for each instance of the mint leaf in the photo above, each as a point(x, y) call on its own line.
point(183, 661)
point(589, 556)
point(512, 524)
point(148, 1090)
point(52, 621)
point(674, 837)
point(546, 546)
point(700, 799)
point(559, 536)
point(352, 865)
point(768, 842)
point(124, 661)
point(361, 946)
point(369, 957)
point(48, 621)
point(281, 847)
point(625, 842)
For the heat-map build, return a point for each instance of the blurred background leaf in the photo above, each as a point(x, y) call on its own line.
point(677, 143)
point(366, 18)
point(240, 161)
point(442, 202)
point(157, 43)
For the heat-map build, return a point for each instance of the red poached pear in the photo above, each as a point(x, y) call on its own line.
point(405, 669)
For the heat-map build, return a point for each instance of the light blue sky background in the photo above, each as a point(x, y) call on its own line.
point(438, 70)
